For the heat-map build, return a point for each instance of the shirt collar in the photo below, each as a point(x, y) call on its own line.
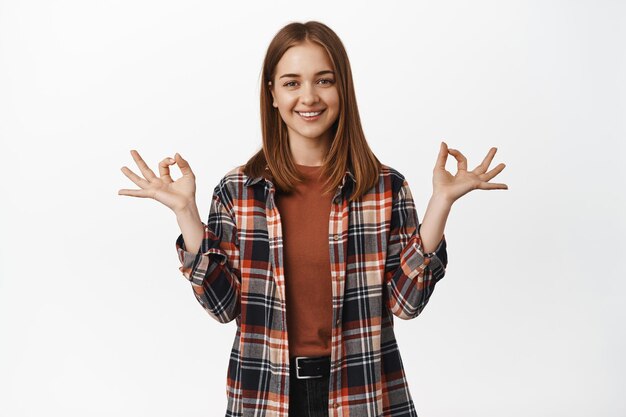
point(253, 180)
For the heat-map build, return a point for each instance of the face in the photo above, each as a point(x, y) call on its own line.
point(304, 82)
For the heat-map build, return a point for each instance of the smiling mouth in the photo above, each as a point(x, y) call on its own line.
point(309, 116)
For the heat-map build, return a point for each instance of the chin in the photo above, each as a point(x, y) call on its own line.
point(313, 135)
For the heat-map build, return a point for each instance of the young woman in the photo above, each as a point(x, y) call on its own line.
point(313, 245)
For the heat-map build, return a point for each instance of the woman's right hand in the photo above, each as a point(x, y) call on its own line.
point(177, 195)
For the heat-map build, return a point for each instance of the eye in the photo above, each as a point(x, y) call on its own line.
point(324, 81)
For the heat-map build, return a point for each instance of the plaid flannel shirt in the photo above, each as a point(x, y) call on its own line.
point(378, 270)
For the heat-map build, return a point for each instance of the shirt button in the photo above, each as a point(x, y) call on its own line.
point(336, 237)
point(335, 405)
point(338, 322)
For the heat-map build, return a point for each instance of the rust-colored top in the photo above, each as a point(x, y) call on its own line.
point(305, 217)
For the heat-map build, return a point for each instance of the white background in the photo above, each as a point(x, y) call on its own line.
point(97, 320)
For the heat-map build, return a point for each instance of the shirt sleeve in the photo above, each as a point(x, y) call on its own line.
point(410, 274)
point(213, 270)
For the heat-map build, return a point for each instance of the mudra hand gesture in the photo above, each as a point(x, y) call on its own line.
point(452, 187)
point(176, 195)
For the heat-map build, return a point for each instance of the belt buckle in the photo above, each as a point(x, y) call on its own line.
point(298, 370)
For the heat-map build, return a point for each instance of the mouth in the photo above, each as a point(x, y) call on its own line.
point(310, 116)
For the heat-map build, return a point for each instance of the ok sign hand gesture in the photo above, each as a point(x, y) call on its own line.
point(177, 195)
point(455, 186)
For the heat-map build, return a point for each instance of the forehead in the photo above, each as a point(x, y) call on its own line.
point(306, 57)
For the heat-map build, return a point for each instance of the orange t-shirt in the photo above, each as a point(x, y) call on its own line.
point(305, 215)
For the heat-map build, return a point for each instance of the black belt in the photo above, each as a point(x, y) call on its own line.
point(305, 367)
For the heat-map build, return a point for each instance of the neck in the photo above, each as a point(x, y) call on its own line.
point(309, 151)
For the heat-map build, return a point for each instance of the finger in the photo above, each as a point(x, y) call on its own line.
point(143, 167)
point(462, 161)
point(495, 171)
point(164, 170)
point(183, 165)
point(142, 183)
point(442, 157)
point(135, 193)
point(492, 186)
point(480, 169)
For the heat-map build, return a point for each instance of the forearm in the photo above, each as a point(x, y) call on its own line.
point(434, 222)
point(213, 271)
point(191, 227)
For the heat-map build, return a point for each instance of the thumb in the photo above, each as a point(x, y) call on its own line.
point(182, 164)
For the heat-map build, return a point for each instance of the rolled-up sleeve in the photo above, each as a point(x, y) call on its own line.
point(213, 270)
point(410, 274)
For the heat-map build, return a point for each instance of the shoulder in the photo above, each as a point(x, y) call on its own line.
point(232, 178)
point(392, 178)
point(390, 172)
point(230, 185)
point(234, 175)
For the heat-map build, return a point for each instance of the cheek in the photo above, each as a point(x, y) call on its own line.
point(287, 102)
point(333, 100)
point(334, 107)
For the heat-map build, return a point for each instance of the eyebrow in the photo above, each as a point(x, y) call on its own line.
point(297, 75)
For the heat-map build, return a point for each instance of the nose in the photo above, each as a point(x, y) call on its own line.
point(309, 95)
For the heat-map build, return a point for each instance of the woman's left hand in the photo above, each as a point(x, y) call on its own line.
point(452, 187)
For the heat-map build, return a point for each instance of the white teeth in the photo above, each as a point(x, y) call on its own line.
point(309, 114)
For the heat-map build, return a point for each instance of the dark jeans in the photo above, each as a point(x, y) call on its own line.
point(308, 397)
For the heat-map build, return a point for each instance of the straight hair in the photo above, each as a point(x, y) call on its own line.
point(349, 148)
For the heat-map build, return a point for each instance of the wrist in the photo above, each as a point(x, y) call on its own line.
point(187, 211)
point(441, 199)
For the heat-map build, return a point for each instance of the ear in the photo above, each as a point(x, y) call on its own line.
point(271, 88)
